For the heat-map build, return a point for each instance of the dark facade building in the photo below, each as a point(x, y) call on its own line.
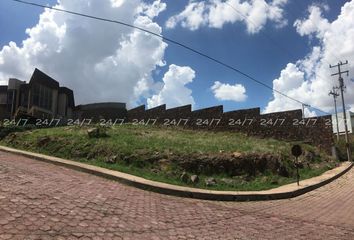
point(42, 97)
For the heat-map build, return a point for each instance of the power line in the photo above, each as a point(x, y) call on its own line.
point(171, 41)
point(275, 43)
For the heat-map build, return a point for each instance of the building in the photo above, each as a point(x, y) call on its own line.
point(350, 121)
point(42, 98)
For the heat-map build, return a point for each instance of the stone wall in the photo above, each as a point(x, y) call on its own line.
point(98, 111)
point(288, 125)
point(154, 115)
point(137, 113)
point(178, 116)
point(206, 118)
point(239, 120)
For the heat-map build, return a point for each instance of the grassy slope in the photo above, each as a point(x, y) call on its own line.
point(130, 139)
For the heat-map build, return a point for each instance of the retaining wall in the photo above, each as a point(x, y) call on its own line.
point(287, 125)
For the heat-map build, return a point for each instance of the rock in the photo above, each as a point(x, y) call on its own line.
point(130, 158)
point(112, 159)
point(274, 182)
point(93, 132)
point(299, 164)
point(249, 178)
point(11, 137)
point(78, 154)
point(283, 171)
point(170, 174)
point(308, 165)
point(236, 154)
point(194, 179)
point(184, 177)
point(91, 155)
point(227, 181)
point(310, 156)
point(209, 182)
point(165, 165)
point(42, 141)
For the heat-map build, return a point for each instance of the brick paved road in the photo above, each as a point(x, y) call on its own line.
point(44, 201)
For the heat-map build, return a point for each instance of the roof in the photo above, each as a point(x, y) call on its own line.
point(43, 79)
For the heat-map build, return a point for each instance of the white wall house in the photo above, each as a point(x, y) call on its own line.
point(350, 121)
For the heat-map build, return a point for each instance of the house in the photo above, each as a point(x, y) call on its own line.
point(350, 122)
point(42, 98)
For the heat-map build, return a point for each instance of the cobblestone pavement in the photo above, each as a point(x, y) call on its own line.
point(45, 201)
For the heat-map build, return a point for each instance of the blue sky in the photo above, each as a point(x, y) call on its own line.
point(263, 55)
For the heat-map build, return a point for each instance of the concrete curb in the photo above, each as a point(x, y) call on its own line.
point(283, 192)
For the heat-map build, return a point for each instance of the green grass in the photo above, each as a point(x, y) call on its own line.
point(131, 138)
point(145, 141)
point(342, 145)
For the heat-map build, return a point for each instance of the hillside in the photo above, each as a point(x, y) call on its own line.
point(221, 160)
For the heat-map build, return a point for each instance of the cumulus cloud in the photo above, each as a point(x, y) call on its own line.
point(174, 91)
point(215, 13)
point(192, 17)
point(309, 79)
point(154, 9)
point(314, 24)
point(100, 61)
point(224, 92)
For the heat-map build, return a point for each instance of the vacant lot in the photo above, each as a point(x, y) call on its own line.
point(222, 160)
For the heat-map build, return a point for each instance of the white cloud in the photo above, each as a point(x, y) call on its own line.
point(174, 92)
point(314, 24)
point(100, 61)
point(309, 80)
point(192, 16)
point(216, 13)
point(154, 9)
point(225, 91)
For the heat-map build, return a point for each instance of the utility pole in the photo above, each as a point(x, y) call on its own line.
point(335, 94)
point(341, 87)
